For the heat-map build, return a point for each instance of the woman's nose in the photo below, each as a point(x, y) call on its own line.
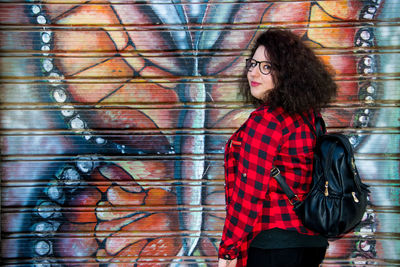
point(254, 72)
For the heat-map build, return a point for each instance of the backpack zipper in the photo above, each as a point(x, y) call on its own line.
point(329, 163)
point(326, 189)
point(355, 197)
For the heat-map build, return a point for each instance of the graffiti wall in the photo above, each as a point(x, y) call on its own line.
point(114, 116)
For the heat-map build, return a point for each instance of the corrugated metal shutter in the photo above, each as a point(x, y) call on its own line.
point(115, 113)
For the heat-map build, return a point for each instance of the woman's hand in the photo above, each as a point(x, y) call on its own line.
point(227, 263)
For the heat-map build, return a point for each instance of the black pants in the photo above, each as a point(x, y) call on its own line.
point(286, 257)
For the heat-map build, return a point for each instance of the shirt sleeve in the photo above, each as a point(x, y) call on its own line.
point(261, 138)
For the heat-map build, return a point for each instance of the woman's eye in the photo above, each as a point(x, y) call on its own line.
point(267, 67)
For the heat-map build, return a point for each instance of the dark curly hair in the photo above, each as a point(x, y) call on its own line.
point(302, 81)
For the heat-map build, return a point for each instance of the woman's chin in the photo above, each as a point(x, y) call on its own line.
point(256, 94)
point(259, 95)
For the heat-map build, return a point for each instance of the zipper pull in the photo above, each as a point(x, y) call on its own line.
point(355, 197)
point(326, 189)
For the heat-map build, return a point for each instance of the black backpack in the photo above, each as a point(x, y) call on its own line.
point(337, 199)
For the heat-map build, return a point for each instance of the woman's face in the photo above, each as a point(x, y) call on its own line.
point(260, 83)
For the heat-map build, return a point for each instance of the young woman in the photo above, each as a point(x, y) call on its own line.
point(284, 80)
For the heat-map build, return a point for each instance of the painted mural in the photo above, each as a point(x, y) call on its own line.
point(114, 117)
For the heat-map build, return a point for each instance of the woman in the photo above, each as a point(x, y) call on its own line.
point(286, 81)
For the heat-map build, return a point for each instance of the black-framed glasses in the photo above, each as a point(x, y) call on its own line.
point(265, 66)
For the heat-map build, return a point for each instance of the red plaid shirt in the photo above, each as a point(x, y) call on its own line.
point(254, 202)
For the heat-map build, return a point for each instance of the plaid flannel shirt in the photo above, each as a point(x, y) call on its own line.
point(254, 202)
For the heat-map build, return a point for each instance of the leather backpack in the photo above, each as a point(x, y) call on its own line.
point(337, 199)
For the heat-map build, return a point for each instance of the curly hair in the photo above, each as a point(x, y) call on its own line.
point(301, 80)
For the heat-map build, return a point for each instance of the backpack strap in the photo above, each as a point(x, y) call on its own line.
point(319, 131)
point(320, 127)
point(293, 198)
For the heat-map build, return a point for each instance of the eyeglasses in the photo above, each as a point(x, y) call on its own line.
point(265, 66)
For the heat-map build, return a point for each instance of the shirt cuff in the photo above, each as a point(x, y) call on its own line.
point(228, 254)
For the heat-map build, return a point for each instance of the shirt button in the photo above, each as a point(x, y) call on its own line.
point(244, 174)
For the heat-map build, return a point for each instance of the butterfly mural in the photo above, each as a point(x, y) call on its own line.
point(149, 92)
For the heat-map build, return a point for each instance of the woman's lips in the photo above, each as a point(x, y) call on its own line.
point(254, 84)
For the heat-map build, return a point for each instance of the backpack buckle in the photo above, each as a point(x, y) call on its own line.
point(275, 172)
point(294, 200)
